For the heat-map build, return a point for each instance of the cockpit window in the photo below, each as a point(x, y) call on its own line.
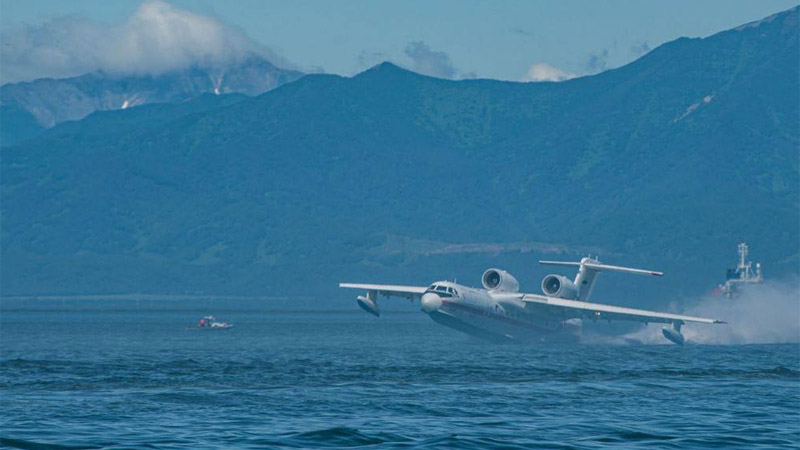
point(441, 291)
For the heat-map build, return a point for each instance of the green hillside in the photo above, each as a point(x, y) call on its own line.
point(391, 176)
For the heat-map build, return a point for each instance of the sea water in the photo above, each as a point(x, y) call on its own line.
point(129, 374)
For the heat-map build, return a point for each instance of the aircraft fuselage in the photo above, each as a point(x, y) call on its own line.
point(492, 316)
point(500, 312)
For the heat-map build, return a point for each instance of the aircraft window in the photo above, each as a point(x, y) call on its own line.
point(441, 291)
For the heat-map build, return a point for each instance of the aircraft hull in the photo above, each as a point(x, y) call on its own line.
point(488, 321)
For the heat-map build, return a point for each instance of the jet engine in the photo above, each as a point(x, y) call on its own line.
point(499, 280)
point(559, 286)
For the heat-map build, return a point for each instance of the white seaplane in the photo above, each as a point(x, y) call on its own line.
point(499, 312)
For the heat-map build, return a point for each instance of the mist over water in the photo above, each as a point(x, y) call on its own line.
point(765, 314)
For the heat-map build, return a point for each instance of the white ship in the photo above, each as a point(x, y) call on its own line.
point(741, 276)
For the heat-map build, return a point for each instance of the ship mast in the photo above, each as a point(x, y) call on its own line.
point(744, 267)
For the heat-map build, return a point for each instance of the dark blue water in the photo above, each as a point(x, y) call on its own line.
point(126, 374)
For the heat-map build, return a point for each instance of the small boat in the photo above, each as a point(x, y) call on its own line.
point(211, 323)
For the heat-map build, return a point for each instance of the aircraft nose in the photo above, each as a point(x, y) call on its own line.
point(430, 302)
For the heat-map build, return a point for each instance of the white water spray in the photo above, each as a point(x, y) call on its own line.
point(766, 314)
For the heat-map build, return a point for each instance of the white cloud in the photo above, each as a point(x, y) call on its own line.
point(157, 38)
point(430, 62)
point(545, 72)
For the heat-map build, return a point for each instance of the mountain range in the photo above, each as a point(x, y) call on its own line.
point(28, 108)
point(391, 176)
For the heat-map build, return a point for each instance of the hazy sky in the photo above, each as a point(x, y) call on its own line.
point(512, 40)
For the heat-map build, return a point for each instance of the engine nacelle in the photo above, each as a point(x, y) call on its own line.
point(559, 286)
point(499, 280)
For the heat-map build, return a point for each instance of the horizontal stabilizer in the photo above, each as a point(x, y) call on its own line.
point(596, 266)
point(560, 263)
point(623, 269)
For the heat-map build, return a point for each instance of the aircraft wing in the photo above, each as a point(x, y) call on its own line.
point(389, 290)
point(574, 309)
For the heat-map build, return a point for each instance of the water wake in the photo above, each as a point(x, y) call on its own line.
point(767, 314)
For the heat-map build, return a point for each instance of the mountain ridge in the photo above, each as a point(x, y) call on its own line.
point(52, 101)
point(329, 178)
